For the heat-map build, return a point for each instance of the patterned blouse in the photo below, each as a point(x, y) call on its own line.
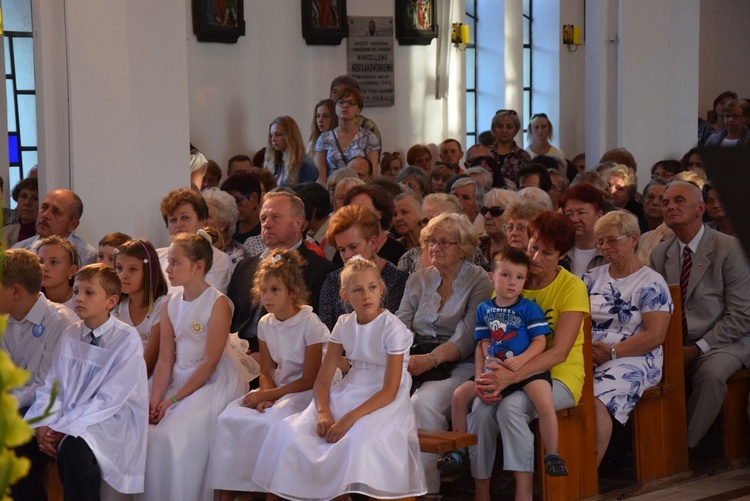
point(512, 162)
point(363, 143)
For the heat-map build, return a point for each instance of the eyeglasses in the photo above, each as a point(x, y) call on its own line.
point(507, 228)
point(510, 112)
point(663, 174)
point(243, 197)
point(495, 210)
point(350, 102)
point(727, 116)
point(442, 244)
point(608, 241)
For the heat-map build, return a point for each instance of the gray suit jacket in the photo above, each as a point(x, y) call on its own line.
point(718, 297)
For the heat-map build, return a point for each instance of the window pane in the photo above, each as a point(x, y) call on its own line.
point(526, 7)
point(7, 56)
point(14, 149)
point(470, 67)
point(17, 15)
point(471, 109)
point(470, 8)
point(11, 105)
point(27, 119)
point(527, 67)
point(30, 159)
point(14, 176)
point(24, 59)
point(526, 108)
point(526, 31)
point(471, 140)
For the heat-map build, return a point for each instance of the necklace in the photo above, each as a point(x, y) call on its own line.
point(443, 297)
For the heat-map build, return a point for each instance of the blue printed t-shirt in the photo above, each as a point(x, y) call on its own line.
point(510, 328)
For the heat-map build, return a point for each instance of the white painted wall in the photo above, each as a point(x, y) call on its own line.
point(724, 41)
point(237, 90)
point(657, 79)
point(126, 109)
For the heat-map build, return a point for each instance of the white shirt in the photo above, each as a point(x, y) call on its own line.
point(693, 244)
point(31, 341)
point(86, 253)
point(103, 399)
point(218, 276)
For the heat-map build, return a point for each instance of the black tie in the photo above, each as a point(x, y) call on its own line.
point(93, 341)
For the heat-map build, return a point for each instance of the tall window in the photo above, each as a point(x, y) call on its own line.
point(471, 74)
point(20, 89)
point(527, 63)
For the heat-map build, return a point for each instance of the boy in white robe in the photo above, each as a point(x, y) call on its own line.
point(98, 427)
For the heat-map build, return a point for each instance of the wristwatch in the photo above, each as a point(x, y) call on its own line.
point(613, 352)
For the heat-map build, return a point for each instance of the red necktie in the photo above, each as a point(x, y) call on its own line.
point(687, 265)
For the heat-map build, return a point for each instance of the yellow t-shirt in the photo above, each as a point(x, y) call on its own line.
point(567, 292)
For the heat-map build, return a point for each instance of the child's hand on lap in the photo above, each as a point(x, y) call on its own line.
point(254, 399)
point(325, 421)
point(512, 363)
point(48, 440)
point(261, 407)
point(338, 430)
point(158, 413)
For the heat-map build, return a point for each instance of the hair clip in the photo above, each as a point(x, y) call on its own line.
point(145, 260)
point(205, 235)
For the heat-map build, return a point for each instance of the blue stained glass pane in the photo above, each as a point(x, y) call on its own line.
point(6, 45)
point(10, 99)
point(23, 49)
point(27, 119)
point(14, 149)
point(17, 15)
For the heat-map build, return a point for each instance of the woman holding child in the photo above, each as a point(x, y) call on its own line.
point(439, 306)
point(630, 312)
point(563, 298)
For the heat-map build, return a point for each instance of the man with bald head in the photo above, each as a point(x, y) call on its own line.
point(714, 279)
point(60, 214)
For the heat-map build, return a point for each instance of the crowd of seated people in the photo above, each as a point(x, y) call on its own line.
point(351, 278)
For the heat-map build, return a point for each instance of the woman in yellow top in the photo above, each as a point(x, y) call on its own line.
point(563, 298)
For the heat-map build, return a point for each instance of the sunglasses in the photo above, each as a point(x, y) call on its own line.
point(512, 112)
point(539, 115)
point(495, 210)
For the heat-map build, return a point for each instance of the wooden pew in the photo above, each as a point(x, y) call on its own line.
point(576, 443)
point(735, 431)
point(659, 419)
point(440, 442)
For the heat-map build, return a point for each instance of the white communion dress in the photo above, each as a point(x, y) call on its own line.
point(379, 455)
point(240, 431)
point(177, 462)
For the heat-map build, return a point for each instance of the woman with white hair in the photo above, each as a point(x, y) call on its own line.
point(222, 216)
point(439, 306)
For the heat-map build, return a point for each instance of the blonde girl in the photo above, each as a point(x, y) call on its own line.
point(344, 442)
point(291, 340)
point(285, 154)
point(195, 376)
point(59, 265)
point(144, 292)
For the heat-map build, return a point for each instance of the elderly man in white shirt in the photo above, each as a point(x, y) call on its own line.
point(34, 323)
point(60, 214)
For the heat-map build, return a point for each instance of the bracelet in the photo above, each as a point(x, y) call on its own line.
point(612, 352)
point(173, 399)
point(434, 360)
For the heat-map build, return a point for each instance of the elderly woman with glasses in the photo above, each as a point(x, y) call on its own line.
point(496, 201)
point(630, 311)
point(347, 140)
point(508, 155)
point(735, 131)
point(539, 135)
point(439, 306)
point(518, 215)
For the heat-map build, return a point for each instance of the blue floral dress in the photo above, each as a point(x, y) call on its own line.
point(617, 305)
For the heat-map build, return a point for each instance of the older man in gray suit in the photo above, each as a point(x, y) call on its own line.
point(714, 279)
